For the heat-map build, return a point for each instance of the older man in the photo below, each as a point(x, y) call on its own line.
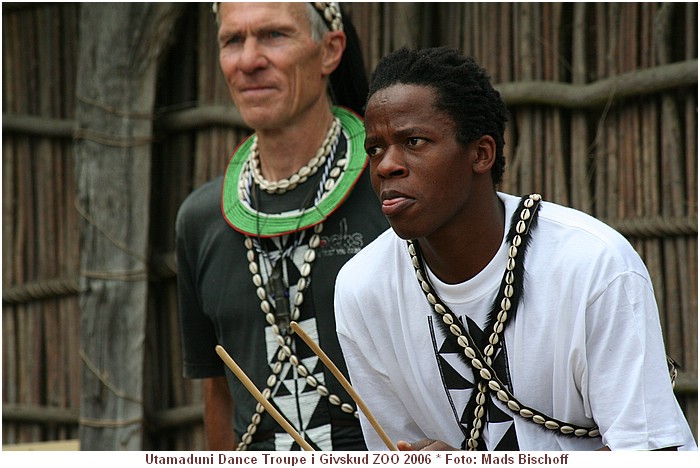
point(262, 246)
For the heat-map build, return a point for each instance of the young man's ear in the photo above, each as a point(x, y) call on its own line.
point(485, 158)
point(333, 48)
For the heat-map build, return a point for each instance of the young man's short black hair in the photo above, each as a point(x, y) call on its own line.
point(464, 92)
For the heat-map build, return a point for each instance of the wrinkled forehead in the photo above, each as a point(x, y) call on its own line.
point(242, 14)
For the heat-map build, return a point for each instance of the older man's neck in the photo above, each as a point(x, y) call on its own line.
point(283, 151)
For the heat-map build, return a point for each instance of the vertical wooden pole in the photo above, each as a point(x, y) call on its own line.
point(673, 200)
point(119, 49)
point(526, 143)
point(580, 190)
point(690, 278)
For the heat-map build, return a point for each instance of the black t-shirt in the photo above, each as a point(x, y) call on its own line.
point(218, 305)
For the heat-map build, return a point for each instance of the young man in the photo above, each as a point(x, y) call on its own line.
point(262, 246)
point(481, 320)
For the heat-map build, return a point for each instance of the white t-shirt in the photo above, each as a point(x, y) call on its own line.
point(585, 346)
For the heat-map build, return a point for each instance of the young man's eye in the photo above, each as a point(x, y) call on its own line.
point(372, 151)
point(414, 141)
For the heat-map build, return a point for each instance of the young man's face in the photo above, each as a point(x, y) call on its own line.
point(421, 174)
point(272, 66)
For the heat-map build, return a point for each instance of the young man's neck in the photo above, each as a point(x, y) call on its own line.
point(464, 252)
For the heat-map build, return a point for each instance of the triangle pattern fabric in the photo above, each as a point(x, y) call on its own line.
point(451, 378)
point(459, 384)
point(294, 397)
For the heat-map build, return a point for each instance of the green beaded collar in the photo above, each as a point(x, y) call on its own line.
point(242, 217)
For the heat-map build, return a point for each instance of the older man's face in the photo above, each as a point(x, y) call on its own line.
point(272, 65)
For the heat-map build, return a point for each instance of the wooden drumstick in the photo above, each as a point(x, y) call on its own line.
point(344, 382)
point(261, 399)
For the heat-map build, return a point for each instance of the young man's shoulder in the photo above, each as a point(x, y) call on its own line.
point(561, 220)
point(567, 236)
point(579, 225)
point(576, 236)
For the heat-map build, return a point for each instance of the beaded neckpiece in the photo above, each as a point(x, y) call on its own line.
point(341, 178)
point(502, 312)
point(336, 181)
point(306, 171)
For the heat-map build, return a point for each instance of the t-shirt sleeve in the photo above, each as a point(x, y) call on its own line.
point(198, 336)
point(628, 384)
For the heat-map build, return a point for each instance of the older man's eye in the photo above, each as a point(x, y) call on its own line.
point(274, 35)
point(230, 40)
